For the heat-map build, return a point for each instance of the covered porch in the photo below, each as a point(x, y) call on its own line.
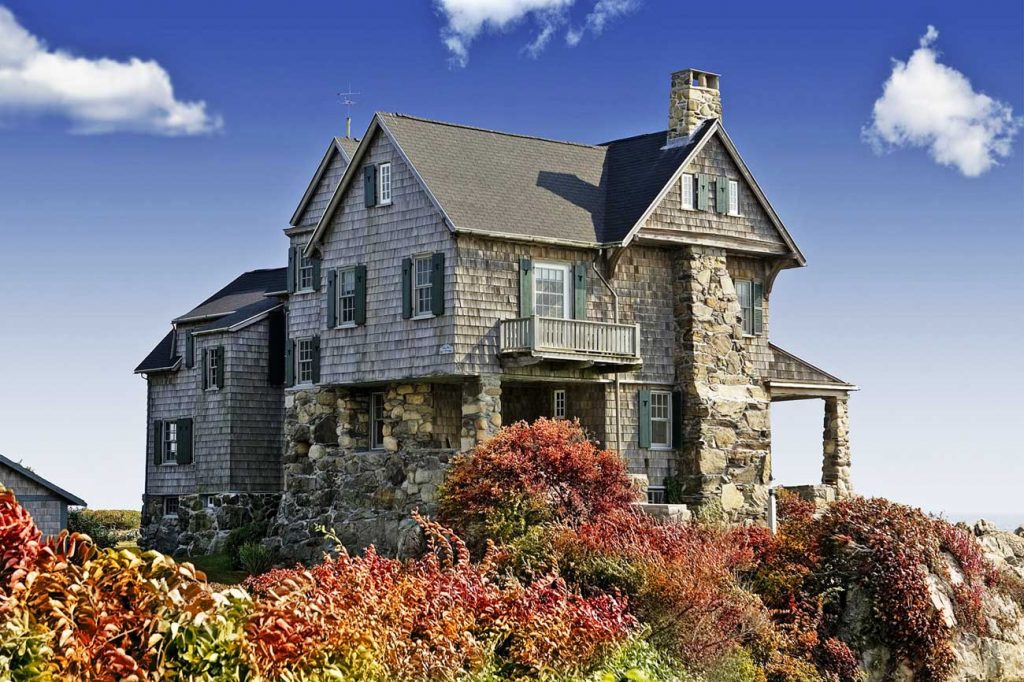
point(528, 400)
point(792, 378)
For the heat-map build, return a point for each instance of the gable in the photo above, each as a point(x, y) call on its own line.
point(753, 228)
point(314, 203)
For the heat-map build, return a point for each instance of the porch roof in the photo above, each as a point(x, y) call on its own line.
point(792, 378)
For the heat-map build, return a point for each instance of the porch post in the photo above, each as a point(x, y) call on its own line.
point(481, 410)
point(835, 467)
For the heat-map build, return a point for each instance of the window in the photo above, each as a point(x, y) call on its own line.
point(656, 496)
point(213, 368)
point(384, 184)
point(347, 296)
point(170, 443)
point(170, 506)
point(688, 191)
point(661, 419)
point(558, 404)
point(734, 197)
point(551, 290)
point(305, 282)
point(751, 295)
point(377, 421)
point(422, 288)
point(207, 501)
point(304, 361)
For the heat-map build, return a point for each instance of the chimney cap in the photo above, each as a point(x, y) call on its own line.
point(700, 78)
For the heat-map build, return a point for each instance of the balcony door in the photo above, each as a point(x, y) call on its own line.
point(551, 295)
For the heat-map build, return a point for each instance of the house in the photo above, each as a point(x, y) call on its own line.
point(214, 402)
point(45, 501)
point(444, 280)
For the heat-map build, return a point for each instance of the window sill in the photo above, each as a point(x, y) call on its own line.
point(661, 448)
point(211, 389)
point(383, 204)
point(304, 291)
point(168, 464)
point(423, 316)
point(346, 325)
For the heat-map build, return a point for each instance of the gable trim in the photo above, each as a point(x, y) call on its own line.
point(716, 128)
point(376, 124)
point(333, 148)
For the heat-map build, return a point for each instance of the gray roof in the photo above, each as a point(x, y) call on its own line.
point(533, 187)
point(788, 368)
point(348, 145)
point(243, 314)
point(36, 478)
point(161, 358)
point(247, 288)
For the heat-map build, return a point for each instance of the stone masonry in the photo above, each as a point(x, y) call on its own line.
point(481, 410)
point(694, 98)
point(203, 522)
point(725, 454)
point(835, 468)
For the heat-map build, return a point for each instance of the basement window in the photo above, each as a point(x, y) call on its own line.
point(377, 421)
point(558, 403)
point(656, 496)
point(171, 506)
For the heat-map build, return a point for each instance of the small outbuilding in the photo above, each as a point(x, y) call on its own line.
point(46, 502)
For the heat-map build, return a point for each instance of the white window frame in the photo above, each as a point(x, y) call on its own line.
point(734, 197)
point(384, 184)
point(558, 403)
point(422, 293)
point(667, 420)
point(164, 504)
point(211, 369)
point(566, 286)
point(305, 268)
point(376, 415)
point(207, 501)
point(342, 322)
point(169, 443)
point(687, 193)
point(299, 360)
point(655, 492)
point(747, 310)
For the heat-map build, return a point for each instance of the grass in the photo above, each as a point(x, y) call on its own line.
point(218, 569)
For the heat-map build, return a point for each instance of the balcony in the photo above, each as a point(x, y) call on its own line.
point(605, 346)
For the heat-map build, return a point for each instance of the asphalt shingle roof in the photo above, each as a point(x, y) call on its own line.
point(243, 290)
point(161, 357)
point(786, 367)
point(241, 315)
point(534, 187)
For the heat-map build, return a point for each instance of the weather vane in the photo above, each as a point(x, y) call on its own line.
point(346, 99)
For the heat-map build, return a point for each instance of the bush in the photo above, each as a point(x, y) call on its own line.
point(116, 519)
point(86, 523)
point(243, 535)
point(255, 558)
point(530, 474)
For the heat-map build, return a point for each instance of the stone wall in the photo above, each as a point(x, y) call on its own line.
point(203, 522)
point(725, 454)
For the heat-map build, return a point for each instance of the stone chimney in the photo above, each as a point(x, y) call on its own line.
point(694, 98)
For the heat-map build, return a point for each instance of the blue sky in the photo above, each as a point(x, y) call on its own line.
point(118, 214)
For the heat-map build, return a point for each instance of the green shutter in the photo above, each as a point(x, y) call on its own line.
point(185, 441)
point(360, 312)
point(206, 373)
point(407, 288)
point(220, 366)
point(757, 294)
point(158, 442)
point(190, 350)
point(293, 267)
point(369, 185)
point(702, 192)
point(525, 287)
point(289, 362)
point(643, 418)
point(437, 284)
point(332, 299)
point(316, 272)
point(579, 296)
point(677, 419)
point(316, 359)
point(722, 194)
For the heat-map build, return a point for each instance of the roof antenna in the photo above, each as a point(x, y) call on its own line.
point(346, 99)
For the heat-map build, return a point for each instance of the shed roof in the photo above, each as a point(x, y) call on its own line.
point(787, 368)
point(36, 478)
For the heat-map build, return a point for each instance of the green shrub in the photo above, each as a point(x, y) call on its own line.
point(253, 532)
point(255, 558)
point(116, 519)
point(82, 521)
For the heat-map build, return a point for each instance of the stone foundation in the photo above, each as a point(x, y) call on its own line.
point(200, 528)
point(725, 454)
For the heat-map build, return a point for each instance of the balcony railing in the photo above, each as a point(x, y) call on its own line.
point(558, 339)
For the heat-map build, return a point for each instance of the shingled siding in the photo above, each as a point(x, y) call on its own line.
point(752, 223)
point(387, 346)
point(48, 511)
point(324, 190)
point(256, 412)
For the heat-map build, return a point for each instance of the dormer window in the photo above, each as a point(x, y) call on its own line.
point(384, 184)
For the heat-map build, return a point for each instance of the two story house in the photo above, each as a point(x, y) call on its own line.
point(443, 280)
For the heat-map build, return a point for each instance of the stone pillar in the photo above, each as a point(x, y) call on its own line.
point(725, 454)
point(481, 410)
point(408, 417)
point(835, 466)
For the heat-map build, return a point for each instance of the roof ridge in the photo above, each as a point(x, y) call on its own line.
point(632, 137)
point(491, 130)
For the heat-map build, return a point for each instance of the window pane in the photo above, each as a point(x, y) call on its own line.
point(734, 197)
point(305, 361)
point(550, 291)
point(385, 183)
point(377, 421)
point(347, 296)
point(659, 432)
point(422, 286)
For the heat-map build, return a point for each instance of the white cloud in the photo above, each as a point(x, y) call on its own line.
point(931, 105)
point(97, 95)
point(467, 19)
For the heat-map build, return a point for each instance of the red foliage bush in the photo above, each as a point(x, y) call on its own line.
point(19, 541)
point(533, 473)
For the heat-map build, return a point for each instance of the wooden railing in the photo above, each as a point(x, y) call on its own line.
point(540, 335)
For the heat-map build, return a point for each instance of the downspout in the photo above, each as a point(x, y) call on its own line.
point(615, 317)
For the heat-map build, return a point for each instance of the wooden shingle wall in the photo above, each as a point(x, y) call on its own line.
point(755, 270)
point(387, 346)
point(48, 511)
point(324, 190)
